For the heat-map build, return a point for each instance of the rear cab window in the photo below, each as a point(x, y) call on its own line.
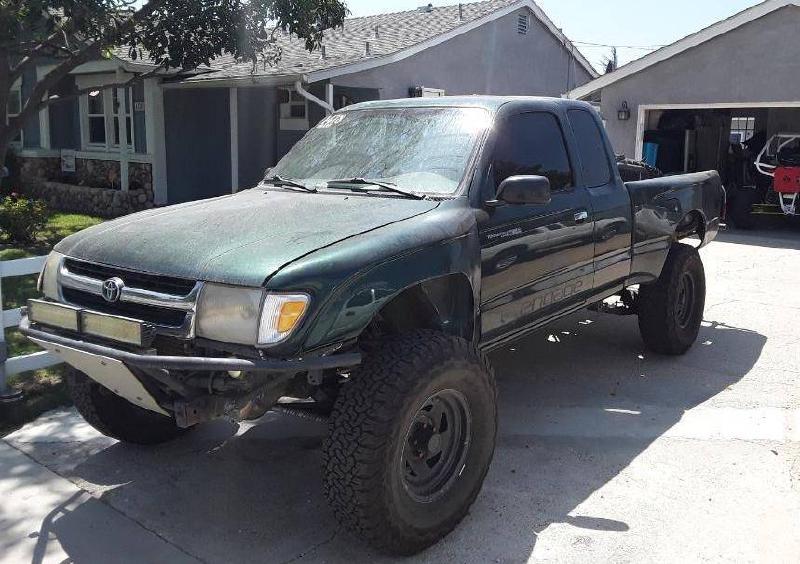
point(594, 159)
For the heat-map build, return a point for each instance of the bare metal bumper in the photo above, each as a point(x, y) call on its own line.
point(346, 360)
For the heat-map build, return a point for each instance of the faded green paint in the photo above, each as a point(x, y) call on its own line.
point(241, 239)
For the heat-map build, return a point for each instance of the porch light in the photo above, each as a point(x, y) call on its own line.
point(624, 112)
point(94, 93)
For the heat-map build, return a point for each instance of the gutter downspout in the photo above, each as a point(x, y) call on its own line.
point(298, 86)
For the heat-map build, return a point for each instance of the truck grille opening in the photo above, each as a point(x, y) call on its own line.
point(149, 314)
point(152, 282)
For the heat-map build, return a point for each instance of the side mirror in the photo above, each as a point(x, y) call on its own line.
point(520, 190)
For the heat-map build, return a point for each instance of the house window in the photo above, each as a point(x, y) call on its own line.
point(742, 129)
point(122, 111)
point(96, 117)
point(13, 110)
point(293, 110)
point(103, 112)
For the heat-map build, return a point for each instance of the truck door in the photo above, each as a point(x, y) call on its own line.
point(608, 199)
point(536, 259)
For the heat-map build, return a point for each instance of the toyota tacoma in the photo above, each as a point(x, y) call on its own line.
point(362, 282)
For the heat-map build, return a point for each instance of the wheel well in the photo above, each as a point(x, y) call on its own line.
point(692, 224)
point(443, 304)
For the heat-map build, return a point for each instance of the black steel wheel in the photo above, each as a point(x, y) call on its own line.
point(411, 438)
point(436, 445)
point(685, 302)
point(671, 309)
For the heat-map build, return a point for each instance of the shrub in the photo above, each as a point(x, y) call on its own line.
point(21, 219)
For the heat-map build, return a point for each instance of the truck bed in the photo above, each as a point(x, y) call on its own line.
point(686, 204)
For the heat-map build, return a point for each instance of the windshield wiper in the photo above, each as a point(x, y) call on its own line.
point(384, 186)
point(289, 182)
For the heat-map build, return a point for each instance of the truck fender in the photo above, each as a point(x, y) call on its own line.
point(423, 279)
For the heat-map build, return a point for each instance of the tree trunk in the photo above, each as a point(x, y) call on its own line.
point(7, 131)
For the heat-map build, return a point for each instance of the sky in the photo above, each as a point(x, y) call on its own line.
point(636, 27)
point(629, 23)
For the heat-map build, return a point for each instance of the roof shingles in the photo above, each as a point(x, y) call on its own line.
point(396, 32)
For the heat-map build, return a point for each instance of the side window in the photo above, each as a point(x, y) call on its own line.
point(594, 160)
point(532, 144)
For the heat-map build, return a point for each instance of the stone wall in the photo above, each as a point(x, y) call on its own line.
point(93, 201)
point(92, 189)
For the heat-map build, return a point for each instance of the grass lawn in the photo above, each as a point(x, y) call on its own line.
point(44, 389)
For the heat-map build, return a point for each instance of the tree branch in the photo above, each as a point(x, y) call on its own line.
point(36, 101)
point(35, 53)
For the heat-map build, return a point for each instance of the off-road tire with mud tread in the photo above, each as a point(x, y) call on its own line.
point(116, 417)
point(369, 426)
point(658, 305)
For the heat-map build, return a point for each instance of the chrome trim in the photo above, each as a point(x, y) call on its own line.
point(129, 294)
point(140, 296)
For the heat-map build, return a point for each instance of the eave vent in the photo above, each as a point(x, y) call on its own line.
point(522, 24)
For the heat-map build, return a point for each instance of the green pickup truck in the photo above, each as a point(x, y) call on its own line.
point(363, 281)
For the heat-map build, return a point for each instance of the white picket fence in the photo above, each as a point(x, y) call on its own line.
point(11, 318)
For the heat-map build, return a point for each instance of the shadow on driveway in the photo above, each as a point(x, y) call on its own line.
point(578, 403)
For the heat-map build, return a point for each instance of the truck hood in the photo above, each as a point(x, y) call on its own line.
point(241, 239)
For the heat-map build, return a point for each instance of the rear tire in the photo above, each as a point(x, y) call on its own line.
point(671, 309)
point(411, 439)
point(116, 417)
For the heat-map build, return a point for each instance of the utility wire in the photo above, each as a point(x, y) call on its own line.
point(642, 47)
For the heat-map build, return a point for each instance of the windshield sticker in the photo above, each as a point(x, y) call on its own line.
point(330, 121)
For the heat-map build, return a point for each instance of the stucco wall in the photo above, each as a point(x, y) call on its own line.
point(492, 59)
point(757, 62)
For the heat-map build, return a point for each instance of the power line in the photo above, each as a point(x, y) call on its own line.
point(641, 47)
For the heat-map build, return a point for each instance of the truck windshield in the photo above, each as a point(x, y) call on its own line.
point(420, 150)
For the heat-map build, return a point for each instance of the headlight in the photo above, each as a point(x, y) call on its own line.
point(48, 279)
point(248, 316)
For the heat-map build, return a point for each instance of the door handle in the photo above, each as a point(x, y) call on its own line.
point(581, 217)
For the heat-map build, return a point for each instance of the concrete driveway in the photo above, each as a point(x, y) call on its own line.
point(605, 453)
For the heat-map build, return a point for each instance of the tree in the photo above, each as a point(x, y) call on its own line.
point(170, 34)
point(611, 63)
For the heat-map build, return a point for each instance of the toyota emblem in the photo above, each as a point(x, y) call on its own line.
point(112, 289)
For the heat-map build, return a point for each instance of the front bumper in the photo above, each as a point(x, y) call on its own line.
point(200, 364)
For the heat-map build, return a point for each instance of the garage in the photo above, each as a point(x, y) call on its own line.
point(726, 98)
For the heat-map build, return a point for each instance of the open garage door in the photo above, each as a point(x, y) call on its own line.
point(728, 138)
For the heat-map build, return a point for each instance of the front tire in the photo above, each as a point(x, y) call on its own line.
point(116, 417)
point(411, 439)
point(671, 309)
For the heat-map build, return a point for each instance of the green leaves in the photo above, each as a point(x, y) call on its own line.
point(181, 34)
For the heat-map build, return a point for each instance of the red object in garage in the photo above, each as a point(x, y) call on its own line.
point(787, 179)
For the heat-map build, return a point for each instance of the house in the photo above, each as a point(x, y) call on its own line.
point(217, 129)
point(687, 106)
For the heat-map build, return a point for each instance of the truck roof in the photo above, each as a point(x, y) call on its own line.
point(491, 103)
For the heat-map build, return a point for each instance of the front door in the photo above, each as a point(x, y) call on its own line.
point(536, 259)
